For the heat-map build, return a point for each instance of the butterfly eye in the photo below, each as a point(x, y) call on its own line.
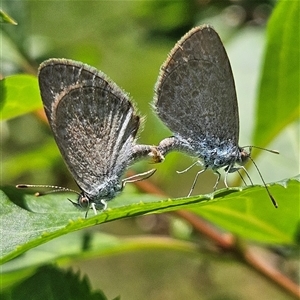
point(83, 201)
point(244, 156)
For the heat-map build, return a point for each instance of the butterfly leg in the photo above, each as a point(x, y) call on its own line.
point(92, 206)
point(104, 203)
point(236, 169)
point(138, 177)
point(242, 167)
point(218, 180)
point(187, 169)
point(195, 181)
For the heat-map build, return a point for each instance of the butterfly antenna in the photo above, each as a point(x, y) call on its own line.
point(55, 188)
point(256, 147)
point(267, 189)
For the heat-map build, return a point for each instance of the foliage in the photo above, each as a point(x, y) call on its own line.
point(30, 223)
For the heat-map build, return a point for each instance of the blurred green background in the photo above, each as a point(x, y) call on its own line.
point(129, 40)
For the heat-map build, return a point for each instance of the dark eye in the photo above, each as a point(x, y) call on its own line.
point(83, 201)
point(244, 155)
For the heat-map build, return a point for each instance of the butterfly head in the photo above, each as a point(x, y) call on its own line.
point(244, 155)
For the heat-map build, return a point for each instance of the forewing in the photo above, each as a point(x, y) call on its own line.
point(57, 75)
point(195, 92)
point(93, 122)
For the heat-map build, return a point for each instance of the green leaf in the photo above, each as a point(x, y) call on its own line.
point(279, 95)
point(19, 95)
point(29, 221)
point(52, 283)
point(251, 214)
point(5, 18)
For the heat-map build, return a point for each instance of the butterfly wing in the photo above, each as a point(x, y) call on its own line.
point(93, 121)
point(195, 92)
